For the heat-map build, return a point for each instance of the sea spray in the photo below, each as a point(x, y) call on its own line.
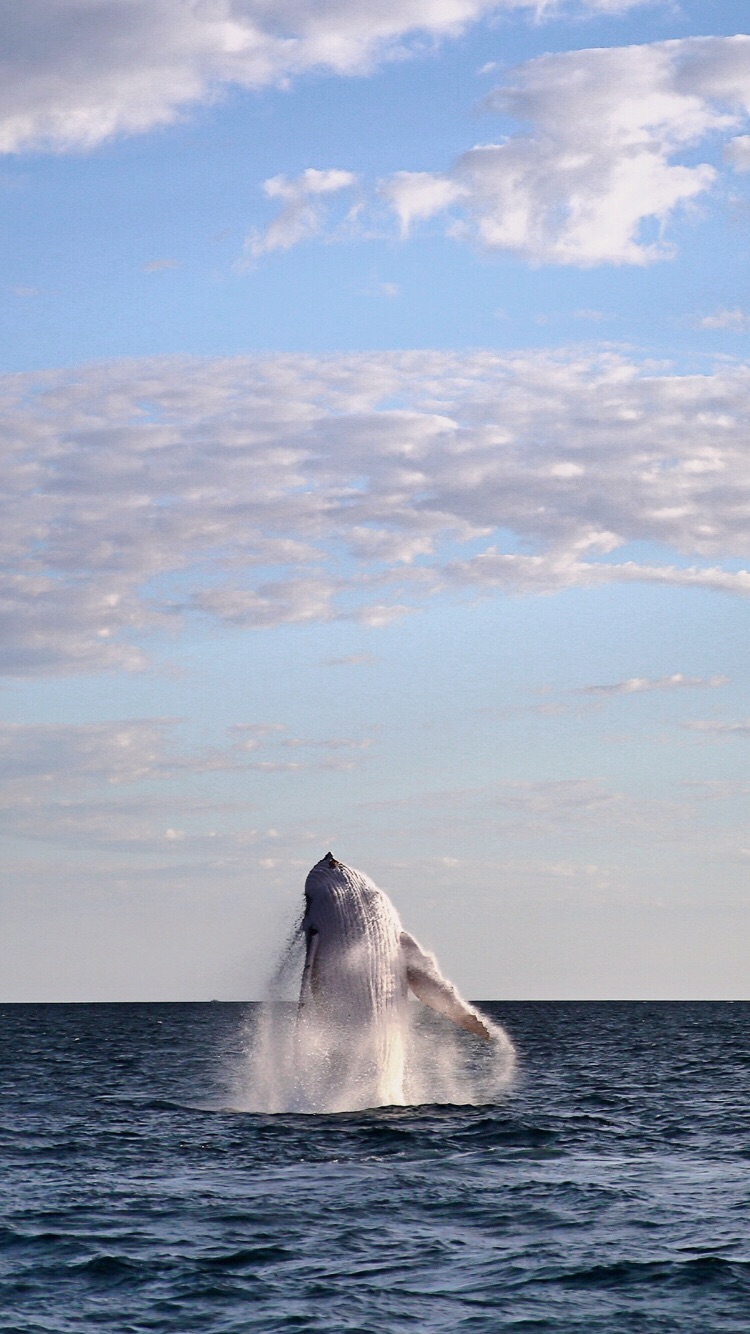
point(441, 1065)
point(354, 1040)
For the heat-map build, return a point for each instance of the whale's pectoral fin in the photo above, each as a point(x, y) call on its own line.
point(307, 988)
point(429, 986)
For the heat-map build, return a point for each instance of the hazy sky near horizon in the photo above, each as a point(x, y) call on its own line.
point(375, 419)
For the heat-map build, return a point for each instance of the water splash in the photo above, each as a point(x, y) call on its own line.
point(324, 1073)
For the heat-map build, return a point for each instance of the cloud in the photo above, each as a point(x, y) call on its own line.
point(75, 74)
point(65, 756)
point(302, 215)
point(64, 782)
point(329, 743)
point(724, 318)
point(160, 265)
point(415, 195)
point(558, 800)
point(288, 601)
point(737, 152)
point(567, 807)
point(636, 685)
point(552, 574)
point(722, 729)
point(114, 752)
point(350, 660)
point(600, 172)
point(263, 491)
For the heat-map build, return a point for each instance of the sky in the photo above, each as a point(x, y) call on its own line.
point(375, 396)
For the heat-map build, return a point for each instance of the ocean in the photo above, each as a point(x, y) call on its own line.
point(607, 1189)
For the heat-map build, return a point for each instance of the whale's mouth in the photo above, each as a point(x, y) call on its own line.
point(331, 862)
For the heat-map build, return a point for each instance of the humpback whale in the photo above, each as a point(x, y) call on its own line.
point(360, 965)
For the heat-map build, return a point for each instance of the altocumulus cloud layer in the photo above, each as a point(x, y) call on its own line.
point(131, 788)
point(294, 489)
point(82, 785)
point(75, 72)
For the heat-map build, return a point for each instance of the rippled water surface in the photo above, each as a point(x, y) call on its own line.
point(609, 1189)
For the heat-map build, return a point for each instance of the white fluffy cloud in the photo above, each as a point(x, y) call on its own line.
point(302, 213)
point(414, 195)
point(600, 171)
point(299, 489)
point(75, 72)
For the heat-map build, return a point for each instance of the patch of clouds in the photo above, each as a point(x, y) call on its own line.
point(302, 214)
point(65, 756)
point(381, 614)
point(78, 623)
point(637, 685)
point(606, 6)
point(250, 735)
point(47, 753)
point(290, 490)
point(287, 601)
point(717, 789)
point(74, 75)
point(350, 660)
point(737, 152)
point(600, 172)
point(567, 807)
point(558, 800)
point(330, 743)
point(161, 265)
point(130, 784)
point(493, 570)
point(416, 195)
point(713, 727)
point(725, 318)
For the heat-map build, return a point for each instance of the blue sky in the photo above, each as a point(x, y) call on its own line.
point(375, 424)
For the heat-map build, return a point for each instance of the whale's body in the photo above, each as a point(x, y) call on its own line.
point(359, 967)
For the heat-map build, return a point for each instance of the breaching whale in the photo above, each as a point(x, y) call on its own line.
point(359, 967)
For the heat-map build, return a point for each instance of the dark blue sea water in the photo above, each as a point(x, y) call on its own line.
point(608, 1191)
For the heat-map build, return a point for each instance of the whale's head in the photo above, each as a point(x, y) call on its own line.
point(338, 897)
point(326, 877)
point(325, 873)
